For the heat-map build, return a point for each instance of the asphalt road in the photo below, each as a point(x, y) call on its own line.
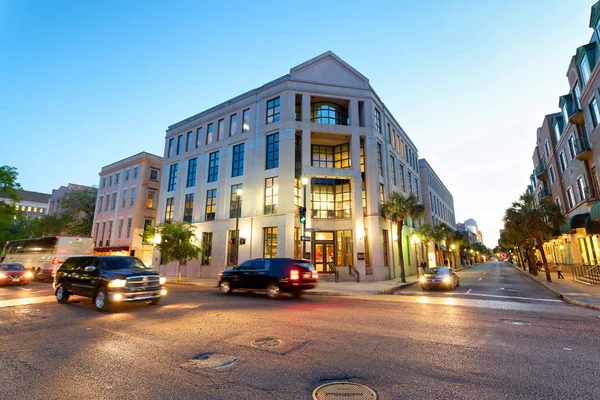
point(412, 345)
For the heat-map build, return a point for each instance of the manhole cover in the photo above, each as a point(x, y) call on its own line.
point(27, 311)
point(343, 390)
point(210, 361)
point(266, 342)
point(511, 322)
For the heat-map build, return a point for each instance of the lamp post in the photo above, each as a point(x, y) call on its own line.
point(304, 183)
point(238, 192)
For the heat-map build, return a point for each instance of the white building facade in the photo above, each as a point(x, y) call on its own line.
point(437, 199)
point(322, 122)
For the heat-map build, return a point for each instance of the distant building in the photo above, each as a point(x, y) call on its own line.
point(471, 225)
point(53, 204)
point(437, 199)
point(33, 204)
point(464, 230)
point(479, 237)
point(126, 204)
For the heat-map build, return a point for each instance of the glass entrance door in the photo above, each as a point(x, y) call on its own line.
point(324, 254)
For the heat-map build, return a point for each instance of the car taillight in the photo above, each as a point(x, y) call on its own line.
point(294, 275)
point(55, 261)
point(315, 275)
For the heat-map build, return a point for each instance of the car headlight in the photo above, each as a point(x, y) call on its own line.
point(422, 279)
point(116, 283)
point(447, 279)
point(162, 280)
point(2, 276)
point(28, 274)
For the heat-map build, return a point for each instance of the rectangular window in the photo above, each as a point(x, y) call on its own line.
point(189, 143)
point(172, 177)
point(331, 198)
point(362, 156)
point(386, 247)
point(273, 110)
point(344, 247)
point(272, 160)
point(547, 149)
point(132, 199)
point(198, 137)
point(188, 209)
point(120, 229)
point(235, 202)
point(213, 166)
point(409, 179)
point(191, 175)
point(179, 144)
point(570, 198)
point(124, 199)
point(297, 243)
point(377, 120)
point(110, 227)
point(128, 231)
point(100, 200)
point(237, 163)
point(169, 209)
point(381, 194)
point(581, 188)
point(211, 205)
point(150, 199)
point(127, 175)
point(117, 178)
point(272, 195)
point(170, 148)
point(110, 180)
point(594, 112)
point(153, 174)
point(563, 163)
point(402, 184)
point(209, 134)
point(233, 125)
point(572, 147)
point(393, 166)
point(297, 196)
point(552, 177)
point(379, 164)
point(220, 129)
point(105, 205)
point(270, 242)
point(331, 156)
point(246, 120)
point(135, 172)
point(585, 70)
point(103, 182)
point(114, 202)
point(147, 223)
point(557, 132)
point(207, 238)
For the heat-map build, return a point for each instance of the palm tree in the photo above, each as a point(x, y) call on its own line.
point(425, 232)
point(443, 233)
point(398, 208)
point(535, 220)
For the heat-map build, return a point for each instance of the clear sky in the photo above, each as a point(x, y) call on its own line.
point(87, 83)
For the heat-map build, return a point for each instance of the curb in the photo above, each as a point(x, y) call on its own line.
point(189, 283)
point(558, 294)
point(392, 290)
point(311, 293)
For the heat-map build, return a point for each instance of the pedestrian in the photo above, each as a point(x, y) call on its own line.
point(539, 266)
point(445, 262)
point(559, 270)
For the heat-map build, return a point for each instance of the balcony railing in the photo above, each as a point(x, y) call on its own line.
point(544, 192)
point(583, 151)
point(541, 172)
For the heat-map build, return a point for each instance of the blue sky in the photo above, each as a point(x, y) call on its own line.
point(87, 83)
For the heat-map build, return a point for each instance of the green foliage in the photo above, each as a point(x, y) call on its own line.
point(47, 225)
point(11, 219)
point(177, 241)
point(77, 211)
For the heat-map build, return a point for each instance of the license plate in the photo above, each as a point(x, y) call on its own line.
point(306, 275)
point(16, 279)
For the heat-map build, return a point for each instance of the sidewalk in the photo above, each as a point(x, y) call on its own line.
point(324, 288)
point(567, 289)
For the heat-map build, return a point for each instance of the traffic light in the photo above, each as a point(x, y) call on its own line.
point(302, 215)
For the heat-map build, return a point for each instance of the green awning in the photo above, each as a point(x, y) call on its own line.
point(577, 221)
point(592, 227)
point(595, 211)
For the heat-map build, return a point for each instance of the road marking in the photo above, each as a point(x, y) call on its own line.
point(480, 278)
point(508, 297)
point(469, 291)
point(26, 301)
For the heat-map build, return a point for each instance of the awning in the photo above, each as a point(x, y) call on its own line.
point(576, 221)
point(592, 227)
point(109, 249)
point(595, 211)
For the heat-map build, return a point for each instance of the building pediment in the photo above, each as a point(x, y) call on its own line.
point(331, 70)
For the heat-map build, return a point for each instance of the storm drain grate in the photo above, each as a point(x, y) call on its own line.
point(267, 342)
point(343, 390)
point(210, 361)
point(515, 322)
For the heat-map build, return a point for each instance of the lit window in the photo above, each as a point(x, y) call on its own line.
point(235, 201)
point(188, 207)
point(169, 209)
point(211, 205)
point(270, 242)
point(331, 198)
point(272, 195)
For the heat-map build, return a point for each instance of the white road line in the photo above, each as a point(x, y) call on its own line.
point(469, 291)
point(508, 297)
point(480, 278)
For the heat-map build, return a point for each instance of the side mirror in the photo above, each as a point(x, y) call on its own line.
point(89, 268)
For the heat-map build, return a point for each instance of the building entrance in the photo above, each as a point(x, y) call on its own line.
point(324, 250)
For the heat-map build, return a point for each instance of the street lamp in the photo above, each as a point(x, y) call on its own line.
point(239, 193)
point(304, 183)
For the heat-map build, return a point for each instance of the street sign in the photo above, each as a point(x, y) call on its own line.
point(313, 229)
point(305, 238)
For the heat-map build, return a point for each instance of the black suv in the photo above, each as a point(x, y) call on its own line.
point(108, 280)
point(275, 275)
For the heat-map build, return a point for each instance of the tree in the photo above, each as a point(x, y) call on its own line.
point(425, 232)
point(77, 211)
point(47, 225)
point(398, 208)
point(176, 243)
point(536, 220)
point(10, 217)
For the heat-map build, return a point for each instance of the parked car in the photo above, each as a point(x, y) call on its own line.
point(439, 277)
point(108, 280)
point(14, 273)
point(273, 275)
